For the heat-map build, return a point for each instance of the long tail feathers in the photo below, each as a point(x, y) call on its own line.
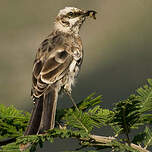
point(35, 119)
point(43, 114)
point(49, 111)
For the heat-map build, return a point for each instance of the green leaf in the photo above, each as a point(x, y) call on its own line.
point(12, 122)
point(126, 115)
point(148, 137)
point(89, 102)
point(10, 148)
point(144, 138)
point(120, 147)
point(144, 95)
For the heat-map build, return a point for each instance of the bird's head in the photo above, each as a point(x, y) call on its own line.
point(70, 19)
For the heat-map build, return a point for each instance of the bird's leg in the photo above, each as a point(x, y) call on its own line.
point(68, 93)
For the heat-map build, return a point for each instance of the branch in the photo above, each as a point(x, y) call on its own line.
point(7, 141)
point(105, 140)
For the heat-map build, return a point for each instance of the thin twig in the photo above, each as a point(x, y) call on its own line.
point(105, 140)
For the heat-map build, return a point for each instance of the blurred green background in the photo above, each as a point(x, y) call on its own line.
point(118, 50)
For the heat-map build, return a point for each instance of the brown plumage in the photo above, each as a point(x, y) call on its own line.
point(56, 65)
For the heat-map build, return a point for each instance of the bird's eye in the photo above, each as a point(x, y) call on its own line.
point(71, 14)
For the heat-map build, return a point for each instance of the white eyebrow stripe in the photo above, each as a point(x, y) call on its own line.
point(67, 10)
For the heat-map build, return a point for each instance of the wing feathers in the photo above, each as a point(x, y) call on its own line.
point(48, 70)
point(50, 65)
point(61, 56)
point(37, 68)
point(53, 60)
point(52, 76)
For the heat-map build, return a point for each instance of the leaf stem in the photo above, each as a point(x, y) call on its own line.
point(125, 125)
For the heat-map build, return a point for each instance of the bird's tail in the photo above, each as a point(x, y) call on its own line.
point(43, 114)
point(49, 110)
point(35, 119)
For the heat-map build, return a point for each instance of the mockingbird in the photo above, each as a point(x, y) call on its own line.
point(56, 65)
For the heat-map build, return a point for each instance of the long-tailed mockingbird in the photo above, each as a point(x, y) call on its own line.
point(56, 65)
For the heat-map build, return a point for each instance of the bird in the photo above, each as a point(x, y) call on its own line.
point(56, 65)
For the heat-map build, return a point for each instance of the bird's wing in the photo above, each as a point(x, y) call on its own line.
point(51, 64)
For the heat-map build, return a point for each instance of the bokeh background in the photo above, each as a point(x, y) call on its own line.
point(118, 50)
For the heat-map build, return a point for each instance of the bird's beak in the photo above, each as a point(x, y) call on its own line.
point(90, 13)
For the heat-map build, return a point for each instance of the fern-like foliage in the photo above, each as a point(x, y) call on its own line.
point(144, 138)
point(144, 94)
point(12, 122)
point(89, 102)
point(126, 115)
point(95, 117)
point(84, 105)
point(80, 123)
point(148, 137)
point(121, 147)
point(88, 116)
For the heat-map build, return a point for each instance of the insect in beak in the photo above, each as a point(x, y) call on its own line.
point(91, 13)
